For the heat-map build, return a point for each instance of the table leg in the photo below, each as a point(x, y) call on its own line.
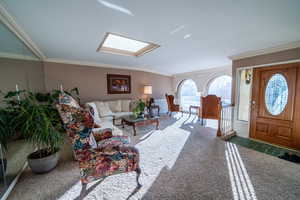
point(157, 124)
point(134, 130)
point(158, 111)
point(122, 122)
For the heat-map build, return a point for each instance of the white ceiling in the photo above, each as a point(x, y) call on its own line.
point(193, 34)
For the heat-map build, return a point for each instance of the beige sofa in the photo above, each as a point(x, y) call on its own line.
point(108, 113)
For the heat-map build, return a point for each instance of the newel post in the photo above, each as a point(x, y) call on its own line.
point(219, 133)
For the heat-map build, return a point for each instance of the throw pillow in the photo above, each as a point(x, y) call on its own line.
point(115, 106)
point(125, 104)
point(93, 109)
point(103, 109)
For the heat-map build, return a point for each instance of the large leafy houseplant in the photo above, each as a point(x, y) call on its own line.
point(38, 121)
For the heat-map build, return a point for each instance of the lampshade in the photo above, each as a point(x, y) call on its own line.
point(147, 89)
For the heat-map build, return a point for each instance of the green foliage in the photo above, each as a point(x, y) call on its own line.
point(36, 123)
point(5, 127)
point(35, 116)
point(140, 107)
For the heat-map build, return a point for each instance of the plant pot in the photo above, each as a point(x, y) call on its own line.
point(2, 168)
point(44, 164)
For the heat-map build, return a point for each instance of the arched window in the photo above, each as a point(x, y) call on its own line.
point(221, 86)
point(188, 94)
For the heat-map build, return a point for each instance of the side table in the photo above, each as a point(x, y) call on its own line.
point(150, 108)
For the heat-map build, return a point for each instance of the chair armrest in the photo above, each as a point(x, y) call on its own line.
point(102, 134)
point(88, 156)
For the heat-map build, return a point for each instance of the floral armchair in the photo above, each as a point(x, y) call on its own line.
point(109, 155)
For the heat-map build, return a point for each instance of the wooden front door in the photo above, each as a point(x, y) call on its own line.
point(275, 105)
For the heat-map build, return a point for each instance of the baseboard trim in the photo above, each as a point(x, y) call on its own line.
point(228, 136)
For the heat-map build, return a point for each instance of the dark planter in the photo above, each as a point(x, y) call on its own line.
point(44, 164)
point(2, 173)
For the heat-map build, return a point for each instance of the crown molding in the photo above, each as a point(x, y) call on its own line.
point(274, 49)
point(205, 71)
point(96, 64)
point(17, 56)
point(12, 25)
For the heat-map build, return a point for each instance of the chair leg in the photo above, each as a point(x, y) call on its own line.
point(138, 174)
point(83, 185)
point(83, 190)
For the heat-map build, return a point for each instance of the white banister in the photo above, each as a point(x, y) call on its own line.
point(227, 114)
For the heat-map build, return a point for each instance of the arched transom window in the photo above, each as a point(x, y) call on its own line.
point(221, 87)
point(188, 94)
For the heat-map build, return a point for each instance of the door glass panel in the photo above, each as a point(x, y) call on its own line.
point(276, 94)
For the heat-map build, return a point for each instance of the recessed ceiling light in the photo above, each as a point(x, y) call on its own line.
point(117, 44)
point(187, 36)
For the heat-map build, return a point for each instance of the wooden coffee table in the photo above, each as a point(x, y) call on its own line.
point(131, 120)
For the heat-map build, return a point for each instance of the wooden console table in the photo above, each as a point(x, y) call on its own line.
point(195, 107)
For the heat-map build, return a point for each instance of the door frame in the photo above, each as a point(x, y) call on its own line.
point(294, 143)
point(246, 124)
point(294, 103)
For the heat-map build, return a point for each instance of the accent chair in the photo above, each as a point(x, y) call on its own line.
point(210, 108)
point(172, 107)
point(107, 156)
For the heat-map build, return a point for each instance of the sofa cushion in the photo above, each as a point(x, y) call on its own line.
point(106, 123)
point(125, 105)
point(103, 109)
point(115, 106)
point(121, 114)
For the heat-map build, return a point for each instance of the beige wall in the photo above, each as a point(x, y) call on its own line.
point(27, 74)
point(92, 84)
point(291, 54)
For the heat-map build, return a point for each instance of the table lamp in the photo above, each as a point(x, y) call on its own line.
point(148, 89)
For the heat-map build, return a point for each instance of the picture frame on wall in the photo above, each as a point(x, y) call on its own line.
point(118, 84)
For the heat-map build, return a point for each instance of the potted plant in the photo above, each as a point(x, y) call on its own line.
point(138, 111)
point(35, 117)
point(36, 122)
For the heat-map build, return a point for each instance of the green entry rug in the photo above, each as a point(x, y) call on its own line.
point(263, 147)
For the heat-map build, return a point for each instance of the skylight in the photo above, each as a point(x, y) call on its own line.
point(117, 44)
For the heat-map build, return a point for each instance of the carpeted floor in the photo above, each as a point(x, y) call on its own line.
point(182, 160)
